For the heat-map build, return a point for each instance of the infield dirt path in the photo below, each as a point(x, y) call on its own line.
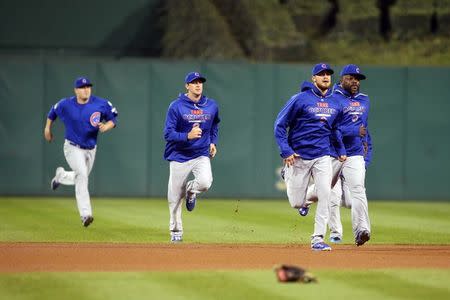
point(33, 257)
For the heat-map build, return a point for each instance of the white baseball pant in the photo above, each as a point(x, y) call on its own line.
point(81, 162)
point(353, 176)
point(200, 167)
point(334, 222)
point(297, 179)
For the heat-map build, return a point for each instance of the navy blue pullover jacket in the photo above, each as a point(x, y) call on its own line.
point(305, 124)
point(182, 115)
point(355, 113)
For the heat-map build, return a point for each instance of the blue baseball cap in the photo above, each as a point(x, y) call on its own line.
point(353, 70)
point(193, 76)
point(81, 82)
point(321, 67)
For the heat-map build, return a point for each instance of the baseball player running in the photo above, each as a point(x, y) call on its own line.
point(336, 196)
point(340, 195)
point(302, 130)
point(83, 115)
point(358, 145)
point(191, 133)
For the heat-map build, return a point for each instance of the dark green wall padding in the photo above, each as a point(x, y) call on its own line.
point(409, 124)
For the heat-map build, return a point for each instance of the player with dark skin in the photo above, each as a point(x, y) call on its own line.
point(356, 140)
point(351, 84)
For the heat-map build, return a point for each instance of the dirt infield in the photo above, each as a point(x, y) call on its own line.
point(35, 257)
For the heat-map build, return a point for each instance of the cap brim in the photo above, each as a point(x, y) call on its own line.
point(329, 70)
point(202, 79)
point(80, 86)
point(357, 75)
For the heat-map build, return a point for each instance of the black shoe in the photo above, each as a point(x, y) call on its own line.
point(87, 221)
point(362, 237)
point(55, 183)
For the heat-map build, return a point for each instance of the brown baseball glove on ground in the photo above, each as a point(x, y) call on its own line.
point(290, 273)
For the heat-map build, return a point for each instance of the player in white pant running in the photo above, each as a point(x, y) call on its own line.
point(311, 194)
point(191, 133)
point(302, 131)
point(335, 198)
point(350, 191)
point(83, 115)
point(339, 197)
point(356, 111)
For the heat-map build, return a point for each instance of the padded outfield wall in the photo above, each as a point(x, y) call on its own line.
point(408, 122)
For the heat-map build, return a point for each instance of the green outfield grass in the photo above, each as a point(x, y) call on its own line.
point(259, 284)
point(212, 221)
point(218, 221)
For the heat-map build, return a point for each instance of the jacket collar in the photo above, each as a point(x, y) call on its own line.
point(202, 102)
point(318, 93)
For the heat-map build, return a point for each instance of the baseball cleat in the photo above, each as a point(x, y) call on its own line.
point(55, 183)
point(303, 211)
point(190, 201)
point(87, 221)
point(321, 246)
point(362, 237)
point(176, 238)
point(335, 239)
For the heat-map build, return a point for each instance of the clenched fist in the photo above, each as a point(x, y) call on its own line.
point(195, 133)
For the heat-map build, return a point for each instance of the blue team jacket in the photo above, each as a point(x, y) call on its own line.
point(355, 113)
point(81, 120)
point(182, 114)
point(306, 122)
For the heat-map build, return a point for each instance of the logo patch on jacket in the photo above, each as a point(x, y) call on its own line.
point(197, 116)
point(95, 118)
point(196, 111)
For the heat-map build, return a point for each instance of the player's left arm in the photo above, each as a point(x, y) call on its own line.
point(336, 137)
point(338, 144)
point(214, 134)
point(367, 140)
point(367, 144)
point(104, 127)
point(109, 115)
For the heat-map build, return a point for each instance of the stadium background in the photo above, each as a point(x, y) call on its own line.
point(135, 55)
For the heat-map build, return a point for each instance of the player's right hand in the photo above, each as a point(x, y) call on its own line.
point(195, 133)
point(48, 134)
point(342, 158)
point(290, 160)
